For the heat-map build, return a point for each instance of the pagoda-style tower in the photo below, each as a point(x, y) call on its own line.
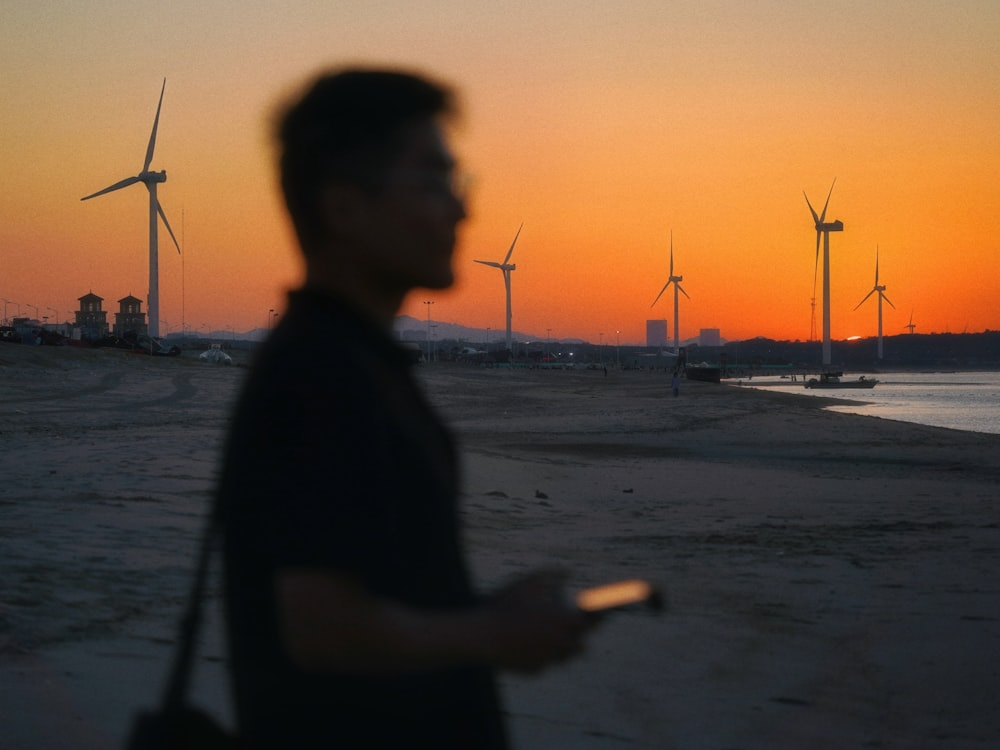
point(130, 316)
point(91, 318)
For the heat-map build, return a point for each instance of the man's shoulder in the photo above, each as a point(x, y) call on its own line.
point(320, 326)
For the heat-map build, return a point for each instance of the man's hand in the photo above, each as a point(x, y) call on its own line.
point(533, 623)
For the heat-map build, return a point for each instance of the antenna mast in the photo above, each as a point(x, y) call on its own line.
point(183, 326)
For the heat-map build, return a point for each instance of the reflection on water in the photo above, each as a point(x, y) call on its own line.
point(959, 400)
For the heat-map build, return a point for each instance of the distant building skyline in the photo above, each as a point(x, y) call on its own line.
point(656, 333)
point(710, 337)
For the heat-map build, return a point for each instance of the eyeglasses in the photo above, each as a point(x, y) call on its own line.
point(453, 183)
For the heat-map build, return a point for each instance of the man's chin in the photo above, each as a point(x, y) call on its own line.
point(441, 280)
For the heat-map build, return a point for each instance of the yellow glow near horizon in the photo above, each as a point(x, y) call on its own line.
point(601, 127)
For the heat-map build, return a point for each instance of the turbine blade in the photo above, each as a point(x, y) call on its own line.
point(876, 265)
point(683, 292)
point(660, 294)
point(816, 265)
point(671, 252)
point(822, 216)
point(159, 210)
point(513, 243)
point(117, 186)
point(863, 301)
point(492, 263)
point(887, 300)
point(152, 136)
point(811, 209)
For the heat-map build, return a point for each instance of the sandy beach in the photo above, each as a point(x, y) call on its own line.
point(831, 578)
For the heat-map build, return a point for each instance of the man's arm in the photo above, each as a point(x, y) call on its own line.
point(330, 622)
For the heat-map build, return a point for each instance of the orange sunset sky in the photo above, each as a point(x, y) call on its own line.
point(602, 126)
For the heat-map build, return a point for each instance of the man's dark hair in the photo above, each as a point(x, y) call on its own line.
point(346, 129)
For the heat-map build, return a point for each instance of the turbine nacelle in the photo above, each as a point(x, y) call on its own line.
point(149, 177)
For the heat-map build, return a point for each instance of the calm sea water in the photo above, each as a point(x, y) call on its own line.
point(960, 400)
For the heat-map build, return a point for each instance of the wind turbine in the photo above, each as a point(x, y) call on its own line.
point(881, 296)
point(911, 325)
point(676, 281)
point(506, 267)
point(150, 179)
point(823, 228)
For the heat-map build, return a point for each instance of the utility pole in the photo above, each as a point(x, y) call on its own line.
point(428, 303)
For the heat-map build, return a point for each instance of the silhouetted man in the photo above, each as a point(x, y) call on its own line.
point(351, 617)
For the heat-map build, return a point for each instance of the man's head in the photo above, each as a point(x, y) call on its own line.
point(348, 129)
point(367, 177)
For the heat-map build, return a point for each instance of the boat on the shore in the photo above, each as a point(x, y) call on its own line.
point(833, 380)
point(705, 373)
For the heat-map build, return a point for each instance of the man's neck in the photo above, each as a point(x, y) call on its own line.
point(376, 303)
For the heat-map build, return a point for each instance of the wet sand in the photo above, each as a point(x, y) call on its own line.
point(831, 578)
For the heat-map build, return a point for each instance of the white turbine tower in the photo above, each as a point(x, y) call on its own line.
point(881, 296)
point(150, 179)
point(676, 281)
point(823, 228)
point(506, 267)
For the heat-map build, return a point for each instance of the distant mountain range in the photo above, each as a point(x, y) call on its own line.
point(407, 328)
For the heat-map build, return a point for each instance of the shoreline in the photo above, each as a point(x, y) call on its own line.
point(829, 575)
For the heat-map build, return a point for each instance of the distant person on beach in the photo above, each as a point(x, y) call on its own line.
point(351, 617)
point(675, 383)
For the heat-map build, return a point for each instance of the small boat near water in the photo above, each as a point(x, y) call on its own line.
point(704, 372)
point(833, 380)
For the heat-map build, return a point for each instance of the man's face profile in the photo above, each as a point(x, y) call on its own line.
point(404, 231)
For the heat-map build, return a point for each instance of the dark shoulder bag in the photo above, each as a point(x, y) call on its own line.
point(176, 725)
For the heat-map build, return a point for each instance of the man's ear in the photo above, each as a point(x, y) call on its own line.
point(346, 212)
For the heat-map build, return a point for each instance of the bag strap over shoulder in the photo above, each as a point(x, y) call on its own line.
point(180, 671)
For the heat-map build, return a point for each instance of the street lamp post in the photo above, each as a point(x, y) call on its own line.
point(12, 302)
point(428, 303)
point(56, 324)
point(600, 347)
point(618, 349)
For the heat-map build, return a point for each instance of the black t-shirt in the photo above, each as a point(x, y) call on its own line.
point(335, 460)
